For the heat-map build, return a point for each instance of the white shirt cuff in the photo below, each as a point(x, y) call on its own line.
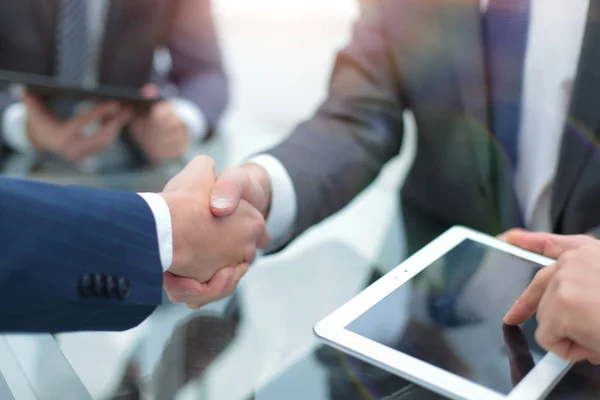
point(164, 229)
point(192, 117)
point(14, 128)
point(282, 216)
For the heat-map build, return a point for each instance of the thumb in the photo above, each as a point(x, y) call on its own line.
point(528, 303)
point(232, 185)
point(150, 90)
point(546, 244)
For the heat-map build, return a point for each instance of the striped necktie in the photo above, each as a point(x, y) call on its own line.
point(73, 53)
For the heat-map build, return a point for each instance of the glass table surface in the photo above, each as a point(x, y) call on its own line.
point(233, 349)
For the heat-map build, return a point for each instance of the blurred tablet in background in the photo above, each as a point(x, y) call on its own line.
point(50, 89)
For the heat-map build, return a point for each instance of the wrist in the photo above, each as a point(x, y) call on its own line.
point(259, 176)
point(180, 251)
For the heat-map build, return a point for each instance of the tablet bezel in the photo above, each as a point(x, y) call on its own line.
point(536, 384)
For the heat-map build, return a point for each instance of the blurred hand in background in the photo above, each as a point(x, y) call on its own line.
point(69, 139)
point(160, 133)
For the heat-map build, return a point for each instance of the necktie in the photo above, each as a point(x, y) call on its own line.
point(73, 55)
point(506, 26)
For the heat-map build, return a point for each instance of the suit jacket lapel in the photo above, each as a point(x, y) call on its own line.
point(583, 119)
point(44, 16)
point(463, 27)
point(116, 17)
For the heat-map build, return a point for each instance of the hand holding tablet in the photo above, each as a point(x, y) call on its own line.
point(460, 285)
point(48, 88)
point(160, 133)
point(565, 295)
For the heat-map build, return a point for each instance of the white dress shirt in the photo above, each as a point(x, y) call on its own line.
point(164, 228)
point(553, 49)
point(14, 118)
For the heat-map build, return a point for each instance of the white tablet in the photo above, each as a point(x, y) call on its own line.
point(436, 320)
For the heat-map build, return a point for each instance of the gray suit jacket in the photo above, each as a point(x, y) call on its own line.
point(134, 29)
point(427, 56)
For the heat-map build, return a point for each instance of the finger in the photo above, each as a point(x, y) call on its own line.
point(577, 353)
point(98, 112)
point(190, 291)
point(240, 270)
point(163, 113)
point(264, 240)
point(528, 303)
point(250, 254)
point(150, 90)
point(201, 171)
point(99, 141)
point(221, 285)
point(227, 192)
point(226, 289)
point(547, 244)
point(502, 236)
point(568, 350)
point(232, 185)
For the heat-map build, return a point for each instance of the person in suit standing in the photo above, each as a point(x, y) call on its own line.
point(86, 43)
point(80, 259)
point(504, 95)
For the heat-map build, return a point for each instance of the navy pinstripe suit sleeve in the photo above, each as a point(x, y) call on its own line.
point(75, 258)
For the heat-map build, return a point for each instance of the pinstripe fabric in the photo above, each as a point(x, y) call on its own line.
point(51, 236)
point(73, 42)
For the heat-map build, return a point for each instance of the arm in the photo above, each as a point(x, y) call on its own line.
point(87, 259)
point(197, 68)
point(57, 241)
point(341, 150)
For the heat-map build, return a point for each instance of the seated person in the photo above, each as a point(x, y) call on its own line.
point(111, 42)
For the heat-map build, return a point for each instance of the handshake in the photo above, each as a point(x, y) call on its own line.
point(218, 223)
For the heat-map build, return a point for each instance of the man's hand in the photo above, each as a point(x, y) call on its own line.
point(214, 253)
point(566, 294)
point(249, 182)
point(160, 134)
point(48, 134)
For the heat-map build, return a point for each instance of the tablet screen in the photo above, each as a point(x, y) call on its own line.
point(450, 315)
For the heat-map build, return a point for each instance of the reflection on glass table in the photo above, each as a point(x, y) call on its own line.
point(34, 367)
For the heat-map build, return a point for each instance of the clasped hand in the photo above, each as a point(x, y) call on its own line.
point(217, 225)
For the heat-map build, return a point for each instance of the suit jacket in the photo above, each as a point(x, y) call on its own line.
point(428, 56)
point(75, 259)
point(133, 30)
